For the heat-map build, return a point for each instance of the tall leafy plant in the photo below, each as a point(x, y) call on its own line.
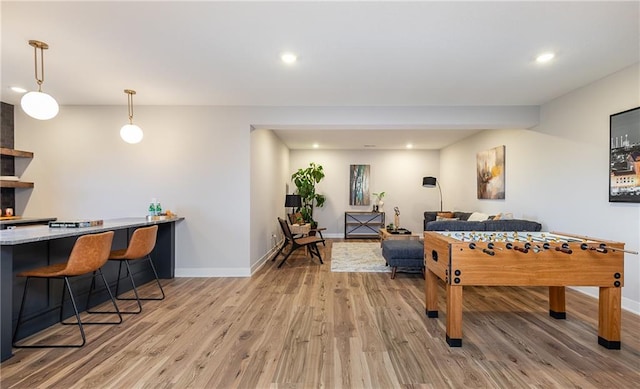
point(305, 181)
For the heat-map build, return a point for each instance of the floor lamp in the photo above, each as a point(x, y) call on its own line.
point(432, 182)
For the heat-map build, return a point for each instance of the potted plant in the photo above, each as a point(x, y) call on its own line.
point(379, 203)
point(305, 181)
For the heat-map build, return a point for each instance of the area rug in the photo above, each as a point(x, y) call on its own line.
point(358, 257)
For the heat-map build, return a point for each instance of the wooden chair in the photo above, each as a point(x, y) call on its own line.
point(88, 255)
point(309, 242)
point(142, 243)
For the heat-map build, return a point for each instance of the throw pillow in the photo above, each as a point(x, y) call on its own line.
point(446, 215)
point(446, 218)
point(296, 218)
point(478, 217)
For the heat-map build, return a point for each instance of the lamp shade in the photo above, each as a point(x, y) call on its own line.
point(39, 105)
point(131, 133)
point(294, 201)
point(429, 181)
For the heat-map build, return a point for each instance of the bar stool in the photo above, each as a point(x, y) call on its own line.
point(143, 241)
point(88, 255)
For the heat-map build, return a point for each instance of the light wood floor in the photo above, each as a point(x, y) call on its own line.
point(303, 326)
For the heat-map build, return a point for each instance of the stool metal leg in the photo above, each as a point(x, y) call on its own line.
point(135, 288)
point(24, 298)
point(157, 281)
point(67, 286)
point(113, 301)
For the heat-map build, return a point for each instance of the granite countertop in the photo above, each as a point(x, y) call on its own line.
point(43, 232)
point(26, 220)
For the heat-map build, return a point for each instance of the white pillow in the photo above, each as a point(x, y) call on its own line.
point(478, 217)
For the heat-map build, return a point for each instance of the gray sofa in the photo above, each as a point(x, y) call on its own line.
point(431, 224)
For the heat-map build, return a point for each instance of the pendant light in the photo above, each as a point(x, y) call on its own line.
point(39, 105)
point(130, 133)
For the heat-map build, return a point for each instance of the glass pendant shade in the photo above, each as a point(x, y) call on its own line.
point(131, 133)
point(39, 105)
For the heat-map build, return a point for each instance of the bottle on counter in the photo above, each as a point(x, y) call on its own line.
point(152, 208)
point(158, 208)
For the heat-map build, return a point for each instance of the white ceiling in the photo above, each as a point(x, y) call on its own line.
point(350, 53)
point(371, 139)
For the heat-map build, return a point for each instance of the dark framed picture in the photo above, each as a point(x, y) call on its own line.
point(624, 156)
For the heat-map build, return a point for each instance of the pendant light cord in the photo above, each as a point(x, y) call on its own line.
point(42, 46)
point(130, 103)
point(130, 93)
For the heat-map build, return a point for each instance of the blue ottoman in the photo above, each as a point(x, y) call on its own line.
point(403, 253)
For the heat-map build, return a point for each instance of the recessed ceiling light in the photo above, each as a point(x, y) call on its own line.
point(17, 89)
point(315, 145)
point(409, 146)
point(289, 58)
point(545, 57)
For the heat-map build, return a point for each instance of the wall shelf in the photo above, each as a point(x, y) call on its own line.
point(15, 153)
point(8, 159)
point(15, 184)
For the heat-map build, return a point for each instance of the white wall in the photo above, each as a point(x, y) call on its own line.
point(195, 160)
point(198, 162)
point(397, 172)
point(270, 175)
point(558, 172)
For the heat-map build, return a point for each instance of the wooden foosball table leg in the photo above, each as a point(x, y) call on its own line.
point(431, 294)
point(557, 308)
point(609, 317)
point(454, 315)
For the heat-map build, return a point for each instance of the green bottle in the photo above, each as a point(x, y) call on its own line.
point(152, 208)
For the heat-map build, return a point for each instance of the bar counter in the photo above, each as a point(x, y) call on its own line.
point(34, 246)
point(21, 222)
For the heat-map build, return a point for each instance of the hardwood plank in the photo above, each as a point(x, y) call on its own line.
point(302, 326)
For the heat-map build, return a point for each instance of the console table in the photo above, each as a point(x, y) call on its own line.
point(30, 247)
point(362, 224)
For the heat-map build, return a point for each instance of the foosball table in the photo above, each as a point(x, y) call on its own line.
point(548, 259)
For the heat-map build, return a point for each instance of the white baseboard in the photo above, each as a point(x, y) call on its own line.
point(227, 271)
point(212, 272)
point(630, 305)
point(256, 266)
point(627, 303)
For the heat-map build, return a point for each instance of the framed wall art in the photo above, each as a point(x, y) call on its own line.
point(490, 173)
point(359, 185)
point(624, 156)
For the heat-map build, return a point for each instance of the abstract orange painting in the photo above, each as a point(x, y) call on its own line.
point(490, 167)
